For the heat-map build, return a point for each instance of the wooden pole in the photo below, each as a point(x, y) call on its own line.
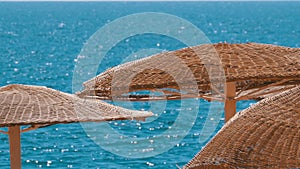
point(15, 147)
point(230, 102)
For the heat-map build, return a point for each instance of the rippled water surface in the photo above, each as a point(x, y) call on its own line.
point(40, 42)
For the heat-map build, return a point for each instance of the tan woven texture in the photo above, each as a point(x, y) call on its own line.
point(250, 65)
point(24, 105)
point(266, 135)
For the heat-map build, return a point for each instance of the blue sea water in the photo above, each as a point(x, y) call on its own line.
point(40, 42)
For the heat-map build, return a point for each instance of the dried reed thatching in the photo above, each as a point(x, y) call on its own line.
point(265, 135)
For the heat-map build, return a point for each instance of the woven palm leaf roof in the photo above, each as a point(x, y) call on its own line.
point(250, 65)
point(35, 105)
point(265, 135)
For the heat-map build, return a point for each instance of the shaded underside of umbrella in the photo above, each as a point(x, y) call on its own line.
point(40, 106)
point(254, 68)
point(222, 72)
point(265, 135)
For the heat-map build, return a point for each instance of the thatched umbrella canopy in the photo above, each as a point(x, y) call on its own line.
point(250, 71)
point(40, 106)
point(266, 135)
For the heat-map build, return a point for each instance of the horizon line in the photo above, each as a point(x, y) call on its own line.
point(149, 1)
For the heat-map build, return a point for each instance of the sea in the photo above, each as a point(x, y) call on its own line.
point(41, 44)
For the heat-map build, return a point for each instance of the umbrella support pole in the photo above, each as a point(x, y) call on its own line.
point(230, 101)
point(14, 134)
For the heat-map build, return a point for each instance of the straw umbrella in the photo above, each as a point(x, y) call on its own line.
point(223, 72)
point(40, 106)
point(266, 135)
